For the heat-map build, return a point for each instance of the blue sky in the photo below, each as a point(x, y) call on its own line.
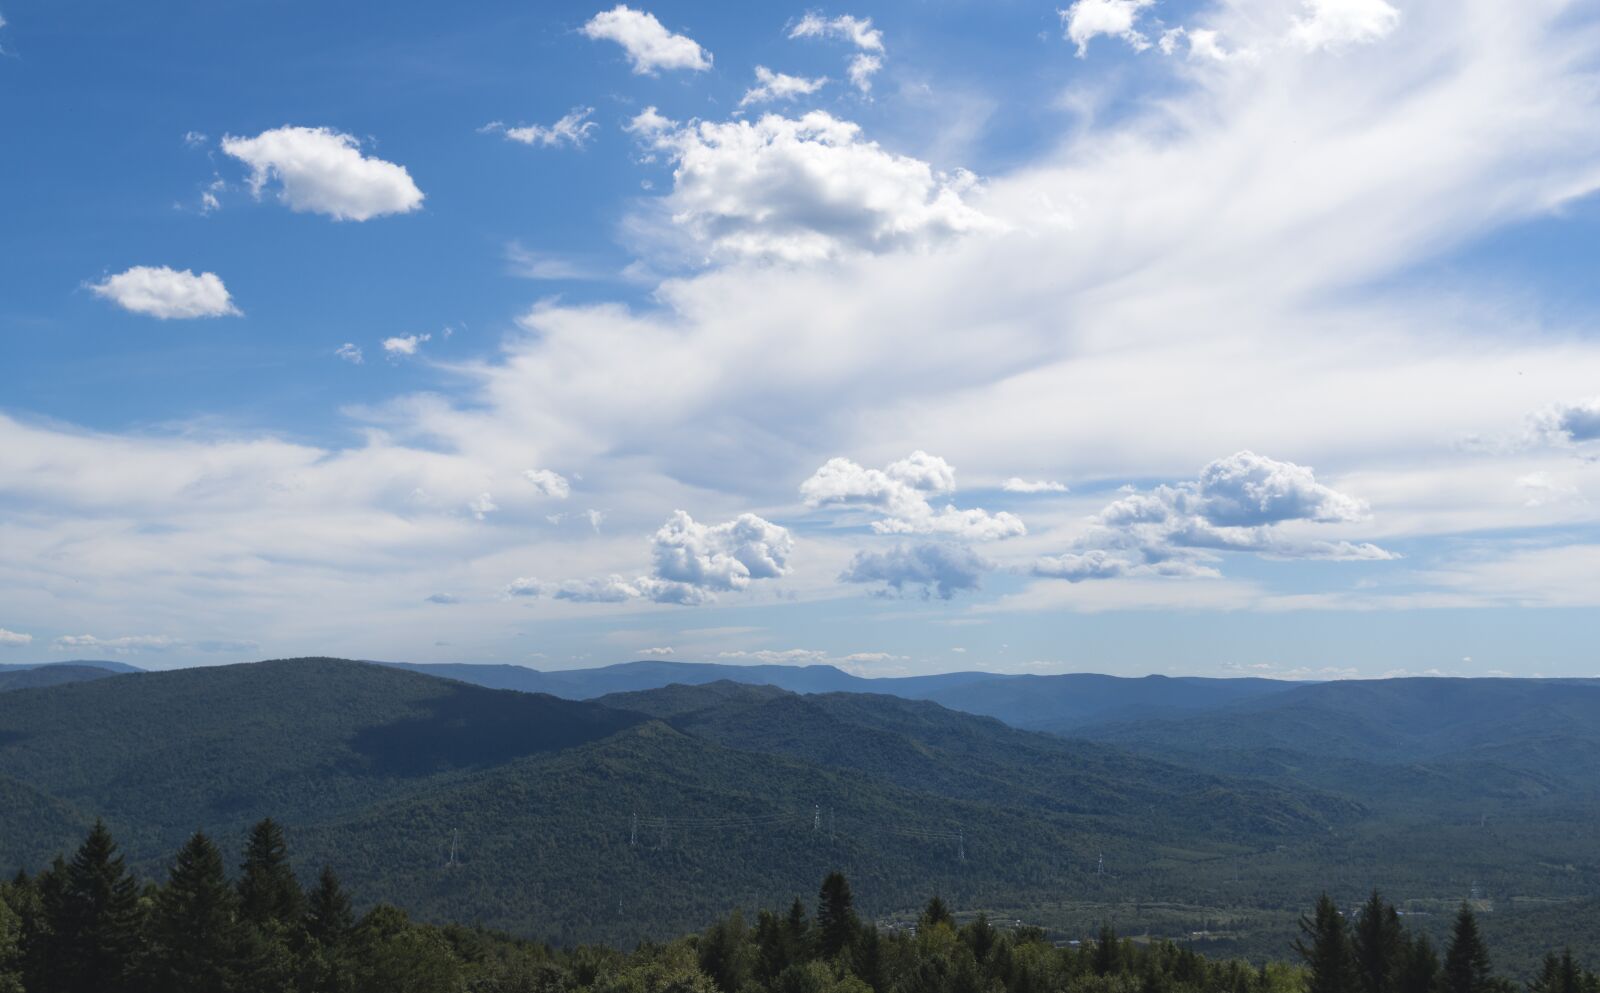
point(1131, 336)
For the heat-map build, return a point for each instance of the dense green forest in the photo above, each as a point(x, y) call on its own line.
point(639, 815)
point(88, 925)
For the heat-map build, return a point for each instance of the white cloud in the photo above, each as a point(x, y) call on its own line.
point(1018, 485)
point(1544, 489)
point(940, 570)
point(574, 129)
point(723, 556)
point(1236, 505)
point(323, 171)
point(857, 31)
point(350, 352)
point(779, 86)
point(13, 638)
point(861, 70)
point(807, 189)
point(692, 563)
point(656, 652)
point(1204, 44)
point(649, 121)
point(649, 45)
point(900, 494)
point(122, 645)
point(1334, 23)
point(405, 344)
point(482, 506)
point(1086, 20)
point(548, 483)
point(1575, 422)
point(160, 291)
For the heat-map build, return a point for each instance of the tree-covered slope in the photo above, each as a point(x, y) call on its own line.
point(34, 677)
point(159, 753)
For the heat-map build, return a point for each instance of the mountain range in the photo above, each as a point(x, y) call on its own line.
point(1171, 805)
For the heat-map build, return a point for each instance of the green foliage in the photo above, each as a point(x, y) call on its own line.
point(1466, 961)
point(194, 934)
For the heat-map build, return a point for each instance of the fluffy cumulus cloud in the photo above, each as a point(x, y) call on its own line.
point(857, 31)
point(649, 45)
point(351, 353)
point(806, 189)
point(1334, 23)
point(1237, 505)
point(548, 483)
point(574, 130)
point(323, 171)
point(160, 291)
point(14, 639)
point(692, 563)
point(772, 86)
point(899, 495)
point(1087, 20)
point(933, 568)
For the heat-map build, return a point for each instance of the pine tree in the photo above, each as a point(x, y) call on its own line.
point(1466, 961)
point(194, 928)
point(836, 915)
point(96, 921)
point(268, 890)
point(1379, 946)
point(1107, 952)
point(10, 947)
point(1419, 971)
point(934, 913)
point(328, 914)
point(1329, 953)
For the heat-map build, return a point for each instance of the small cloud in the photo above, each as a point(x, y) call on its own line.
point(322, 171)
point(350, 352)
point(649, 121)
point(1017, 485)
point(529, 264)
point(575, 130)
point(10, 639)
point(658, 652)
point(443, 598)
point(938, 569)
point(548, 483)
point(482, 505)
point(405, 345)
point(857, 31)
point(772, 86)
point(195, 139)
point(166, 293)
point(648, 44)
point(1086, 20)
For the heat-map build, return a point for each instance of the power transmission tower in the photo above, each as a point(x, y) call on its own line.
point(816, 818)
point(633, 832)
point(1100, 869)
point(961, 844)
point(830, 824)
point(455, 836)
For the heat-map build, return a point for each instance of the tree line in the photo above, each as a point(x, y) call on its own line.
point(86, 925)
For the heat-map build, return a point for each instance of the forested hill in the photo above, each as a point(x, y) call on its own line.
point(644, 814)
point(564, 810)
point(1058, 703)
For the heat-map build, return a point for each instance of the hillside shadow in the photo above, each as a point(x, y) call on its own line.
point(476, 729)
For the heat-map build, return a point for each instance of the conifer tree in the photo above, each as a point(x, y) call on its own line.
point(1325, 946)
point(936, 912)
point(268, 890)
point(836, 915)
point(95, 923)
point(1419, 972)
point(328, 914)
point(1379, 946)
point(1107, 957)
point(194, 929)
point(1466, 961)
point(10, 948)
